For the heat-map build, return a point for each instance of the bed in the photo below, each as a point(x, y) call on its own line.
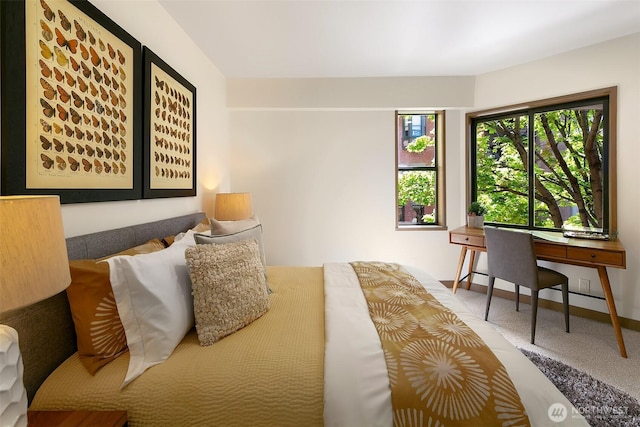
point(313, 358)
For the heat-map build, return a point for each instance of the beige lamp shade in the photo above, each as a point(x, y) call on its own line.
point(233, 206)
point(33, 252)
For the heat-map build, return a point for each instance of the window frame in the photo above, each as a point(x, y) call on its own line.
point(438, 168)
point(532, 108)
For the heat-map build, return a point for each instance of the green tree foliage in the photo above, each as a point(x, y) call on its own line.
point(567, 171)
point(419, 144)
point(417, 187)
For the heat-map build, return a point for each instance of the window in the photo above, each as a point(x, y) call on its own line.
point(547, 165)
point(420, 169)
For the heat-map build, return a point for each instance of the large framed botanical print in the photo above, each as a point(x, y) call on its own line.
point(71, 103)
point(169, 137)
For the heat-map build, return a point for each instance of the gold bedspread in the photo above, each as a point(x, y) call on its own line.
point(270, 373)
point(440, 370)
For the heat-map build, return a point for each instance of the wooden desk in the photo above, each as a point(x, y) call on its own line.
point(582, 252)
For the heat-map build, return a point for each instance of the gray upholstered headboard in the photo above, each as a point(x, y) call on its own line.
point(45, 329)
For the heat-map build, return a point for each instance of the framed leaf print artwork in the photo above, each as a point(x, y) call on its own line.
point(70, 103)
point(169, 123)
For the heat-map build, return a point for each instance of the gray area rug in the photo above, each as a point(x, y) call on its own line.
point(599, 403)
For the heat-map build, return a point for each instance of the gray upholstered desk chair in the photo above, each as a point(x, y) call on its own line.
point(511, 256)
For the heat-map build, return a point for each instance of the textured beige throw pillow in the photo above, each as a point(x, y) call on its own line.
point(229, 289)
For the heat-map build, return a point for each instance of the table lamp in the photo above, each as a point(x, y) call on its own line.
point(33, 266)
point(233, 206)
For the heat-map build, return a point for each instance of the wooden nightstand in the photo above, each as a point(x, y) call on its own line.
point(77, 418)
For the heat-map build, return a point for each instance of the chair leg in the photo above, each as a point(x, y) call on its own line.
point(534, 313)
point(517, 297)
point(489, 294)
point(565, 303)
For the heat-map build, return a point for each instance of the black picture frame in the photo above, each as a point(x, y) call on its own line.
point(169, 130)
point(16, 118)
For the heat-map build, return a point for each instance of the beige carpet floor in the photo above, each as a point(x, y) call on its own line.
point(591, 346)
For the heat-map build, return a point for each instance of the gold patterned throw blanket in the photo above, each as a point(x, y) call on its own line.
point(440, 371)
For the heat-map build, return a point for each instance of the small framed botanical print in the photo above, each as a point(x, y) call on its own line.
point(169, 137)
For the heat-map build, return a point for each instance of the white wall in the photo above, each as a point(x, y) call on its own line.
point(321, 168)
point(323, 186)
point(319, 161)
point(358, 93)
point(150, 24)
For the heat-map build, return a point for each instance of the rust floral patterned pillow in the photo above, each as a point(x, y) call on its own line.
point(99, 331)
point(202, 227)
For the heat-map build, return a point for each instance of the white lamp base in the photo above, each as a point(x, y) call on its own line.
point(13, 396)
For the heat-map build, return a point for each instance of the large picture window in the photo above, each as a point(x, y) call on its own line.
point(547, 165)
point(420, 165)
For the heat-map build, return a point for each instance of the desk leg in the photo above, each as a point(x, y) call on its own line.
point(456, 281)
point(606, 287)
point(472, 260)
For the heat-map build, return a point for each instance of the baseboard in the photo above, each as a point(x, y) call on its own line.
point(586, 313)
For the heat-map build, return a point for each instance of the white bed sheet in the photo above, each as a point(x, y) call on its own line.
point(356, 385)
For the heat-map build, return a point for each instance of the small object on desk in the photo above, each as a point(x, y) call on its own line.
point(588, 233)
point(585, 235)
point(475, 214)
point(77, 418)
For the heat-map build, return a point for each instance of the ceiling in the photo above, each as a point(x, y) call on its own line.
point(364, 38)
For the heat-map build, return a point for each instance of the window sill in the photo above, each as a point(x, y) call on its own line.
point(434, 227)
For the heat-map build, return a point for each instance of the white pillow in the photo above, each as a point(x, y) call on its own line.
point(153, 295)
point(219, 228)
point(190, 233)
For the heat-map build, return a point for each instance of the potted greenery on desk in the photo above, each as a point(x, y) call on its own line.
point(475, 215)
